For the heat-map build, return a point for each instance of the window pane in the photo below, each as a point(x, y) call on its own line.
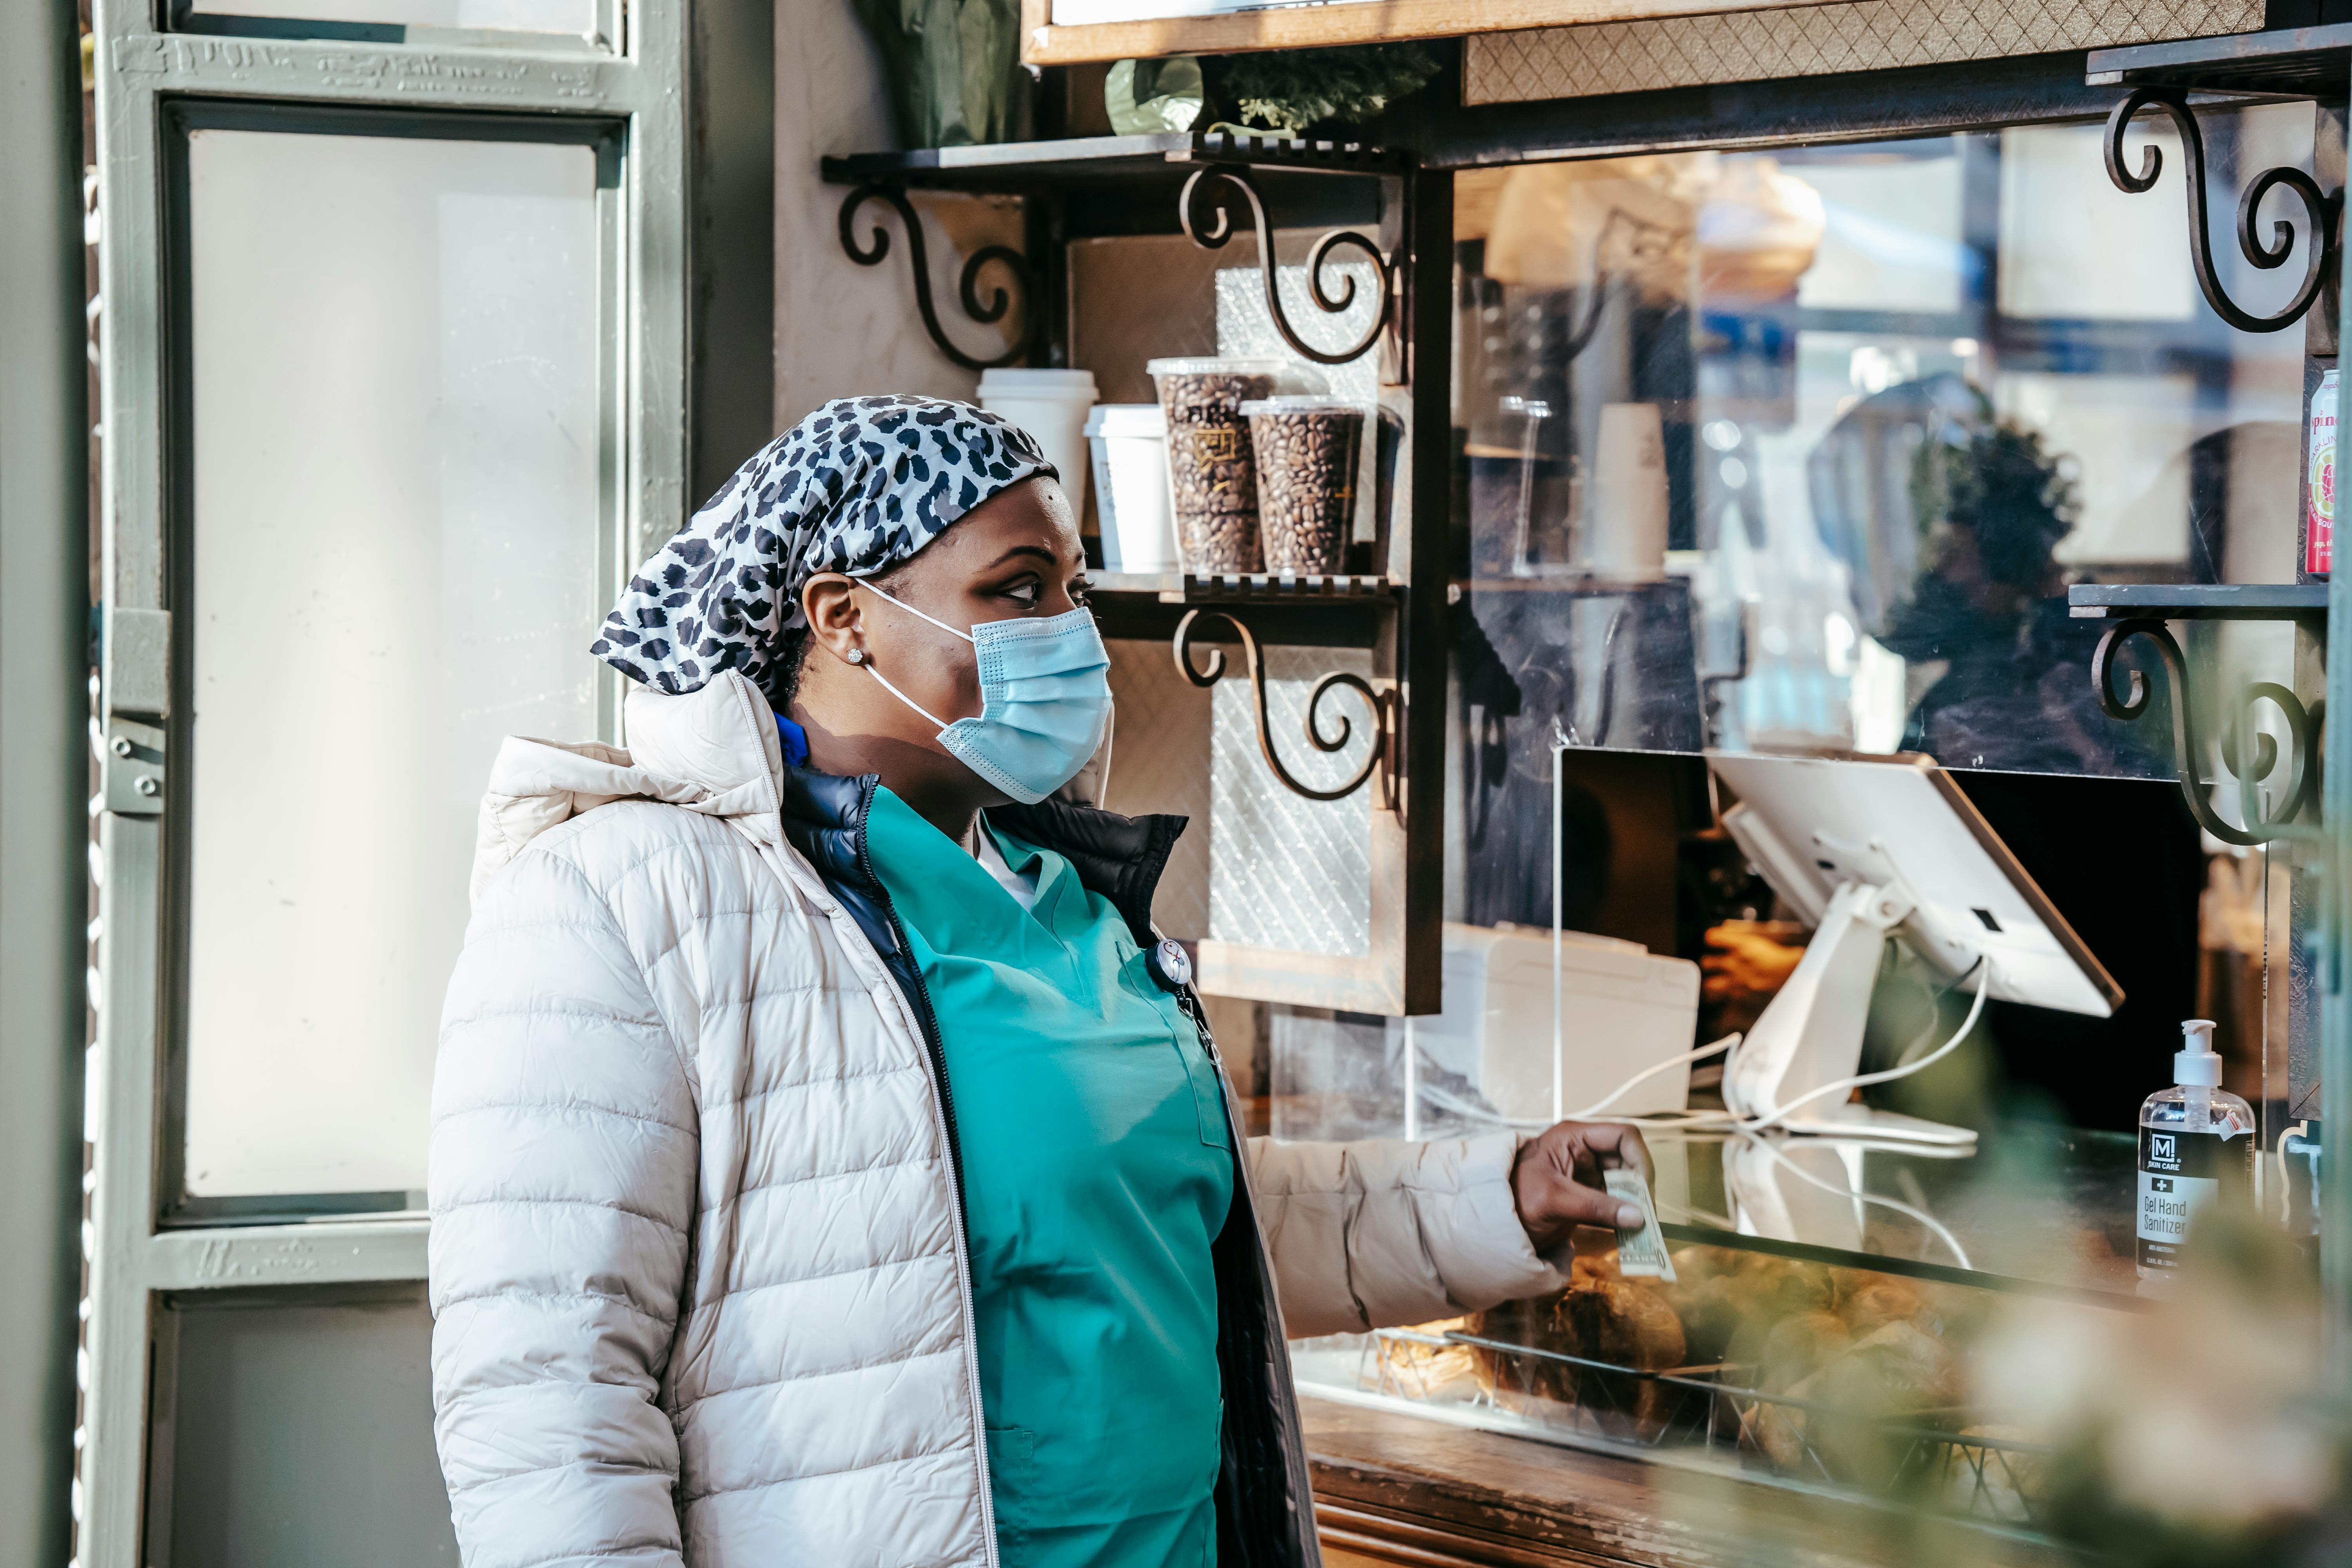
point(396, 458)
point(490, 15)
point(302, 1434)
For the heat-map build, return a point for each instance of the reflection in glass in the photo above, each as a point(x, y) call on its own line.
point(1907, 391)
point(396, 454)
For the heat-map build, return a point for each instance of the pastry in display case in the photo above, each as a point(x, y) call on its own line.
point(1760, 1359)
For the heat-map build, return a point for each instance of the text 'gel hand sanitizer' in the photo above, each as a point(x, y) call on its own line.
point(2196, 1143)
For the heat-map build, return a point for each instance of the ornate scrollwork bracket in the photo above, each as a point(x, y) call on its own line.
point(1212, 231)
point(2250, 755)
point(988, 314)
point(1381, 757)
point(2322, 214)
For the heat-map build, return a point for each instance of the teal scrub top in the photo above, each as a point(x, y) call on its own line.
point(1098, 1167)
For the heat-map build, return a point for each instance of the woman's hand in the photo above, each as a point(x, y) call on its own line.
point(1557, 1178)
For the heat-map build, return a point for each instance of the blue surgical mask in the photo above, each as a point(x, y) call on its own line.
point(1045, 693)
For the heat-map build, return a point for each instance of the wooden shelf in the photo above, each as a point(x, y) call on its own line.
point(1231, 30)
point(2199, 601)
point(2296, 62)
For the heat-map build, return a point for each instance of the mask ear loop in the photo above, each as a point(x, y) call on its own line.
point(867, 665)
point(861, 583)
point(901, 695)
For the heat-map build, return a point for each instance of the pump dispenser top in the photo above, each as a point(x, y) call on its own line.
point(2195, 1141)
point(2197, 1063)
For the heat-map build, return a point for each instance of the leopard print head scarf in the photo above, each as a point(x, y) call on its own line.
point(857, 487)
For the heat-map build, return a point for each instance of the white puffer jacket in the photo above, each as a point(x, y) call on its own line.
point(697, 1269)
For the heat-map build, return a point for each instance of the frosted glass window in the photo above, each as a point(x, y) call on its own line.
point(302, 1434)
point(493, 16)
point(396, 527)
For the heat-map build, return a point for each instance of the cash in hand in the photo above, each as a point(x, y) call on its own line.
point(1641, 1251)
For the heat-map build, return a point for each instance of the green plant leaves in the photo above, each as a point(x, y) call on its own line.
point(954, 67)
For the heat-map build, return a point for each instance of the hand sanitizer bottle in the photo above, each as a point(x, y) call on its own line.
point(2196, 1143)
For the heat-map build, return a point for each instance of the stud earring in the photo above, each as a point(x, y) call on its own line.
point(857, 655)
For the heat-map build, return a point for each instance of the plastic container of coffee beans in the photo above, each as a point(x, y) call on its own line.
point(1211, 472)
point(1306, 451)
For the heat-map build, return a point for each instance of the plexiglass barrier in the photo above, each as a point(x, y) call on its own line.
point(397, 451)
point(1802, 450)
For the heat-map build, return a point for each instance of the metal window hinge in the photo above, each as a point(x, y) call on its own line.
point(133, 769)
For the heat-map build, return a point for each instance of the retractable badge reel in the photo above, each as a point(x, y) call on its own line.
point(1170, 965)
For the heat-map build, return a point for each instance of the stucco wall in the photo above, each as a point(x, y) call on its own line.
point(841, 329)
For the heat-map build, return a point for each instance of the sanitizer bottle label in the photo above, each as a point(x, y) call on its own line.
point(2179, 1173)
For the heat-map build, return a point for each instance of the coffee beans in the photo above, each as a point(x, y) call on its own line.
point(1307, 452)
point(1212, 469)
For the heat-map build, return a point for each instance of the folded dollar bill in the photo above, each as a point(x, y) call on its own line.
point(1640, 1251)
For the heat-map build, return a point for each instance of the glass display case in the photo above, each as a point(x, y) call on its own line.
point(1826, 1327)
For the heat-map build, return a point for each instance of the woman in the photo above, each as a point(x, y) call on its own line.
point(829, 1165)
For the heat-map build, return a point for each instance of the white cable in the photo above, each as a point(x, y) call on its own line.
point(1731, 1044)
point(1752, 1129)
point(1888, 1075)
point(1610, 1098)
point(2278, 1154)
point(1942, 1234)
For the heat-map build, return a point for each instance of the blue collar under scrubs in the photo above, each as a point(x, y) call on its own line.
point(1098, 1167)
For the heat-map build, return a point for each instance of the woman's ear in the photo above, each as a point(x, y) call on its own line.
point(829, 600)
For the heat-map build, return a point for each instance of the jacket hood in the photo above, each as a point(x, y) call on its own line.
point(714, 750)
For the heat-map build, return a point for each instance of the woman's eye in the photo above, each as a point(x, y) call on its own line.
point(1079, 590)
point(1024, 593)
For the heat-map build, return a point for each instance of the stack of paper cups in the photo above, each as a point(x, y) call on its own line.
point(1625, 509)
point(1051, 404)
point(1130, 456)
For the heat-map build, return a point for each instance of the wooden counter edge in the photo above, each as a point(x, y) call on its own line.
point(1391, 1488)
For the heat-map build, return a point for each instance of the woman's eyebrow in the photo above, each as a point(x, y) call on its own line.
point(1039, 550)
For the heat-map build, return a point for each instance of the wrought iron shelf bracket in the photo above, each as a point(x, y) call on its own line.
point(1315, 156)
point(2250, 755)
point(993, 309)
point(1208, 223)
point(1384, 705)
point(2323, 213)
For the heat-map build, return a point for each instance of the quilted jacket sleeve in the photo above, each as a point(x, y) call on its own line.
point(1384, 1232)
point(561, 1182)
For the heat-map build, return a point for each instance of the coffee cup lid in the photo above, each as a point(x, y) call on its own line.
point(1212, 364)
point(1300, 405)
point(1062, 382)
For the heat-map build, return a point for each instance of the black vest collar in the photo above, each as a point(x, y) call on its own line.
point(1120, 858)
